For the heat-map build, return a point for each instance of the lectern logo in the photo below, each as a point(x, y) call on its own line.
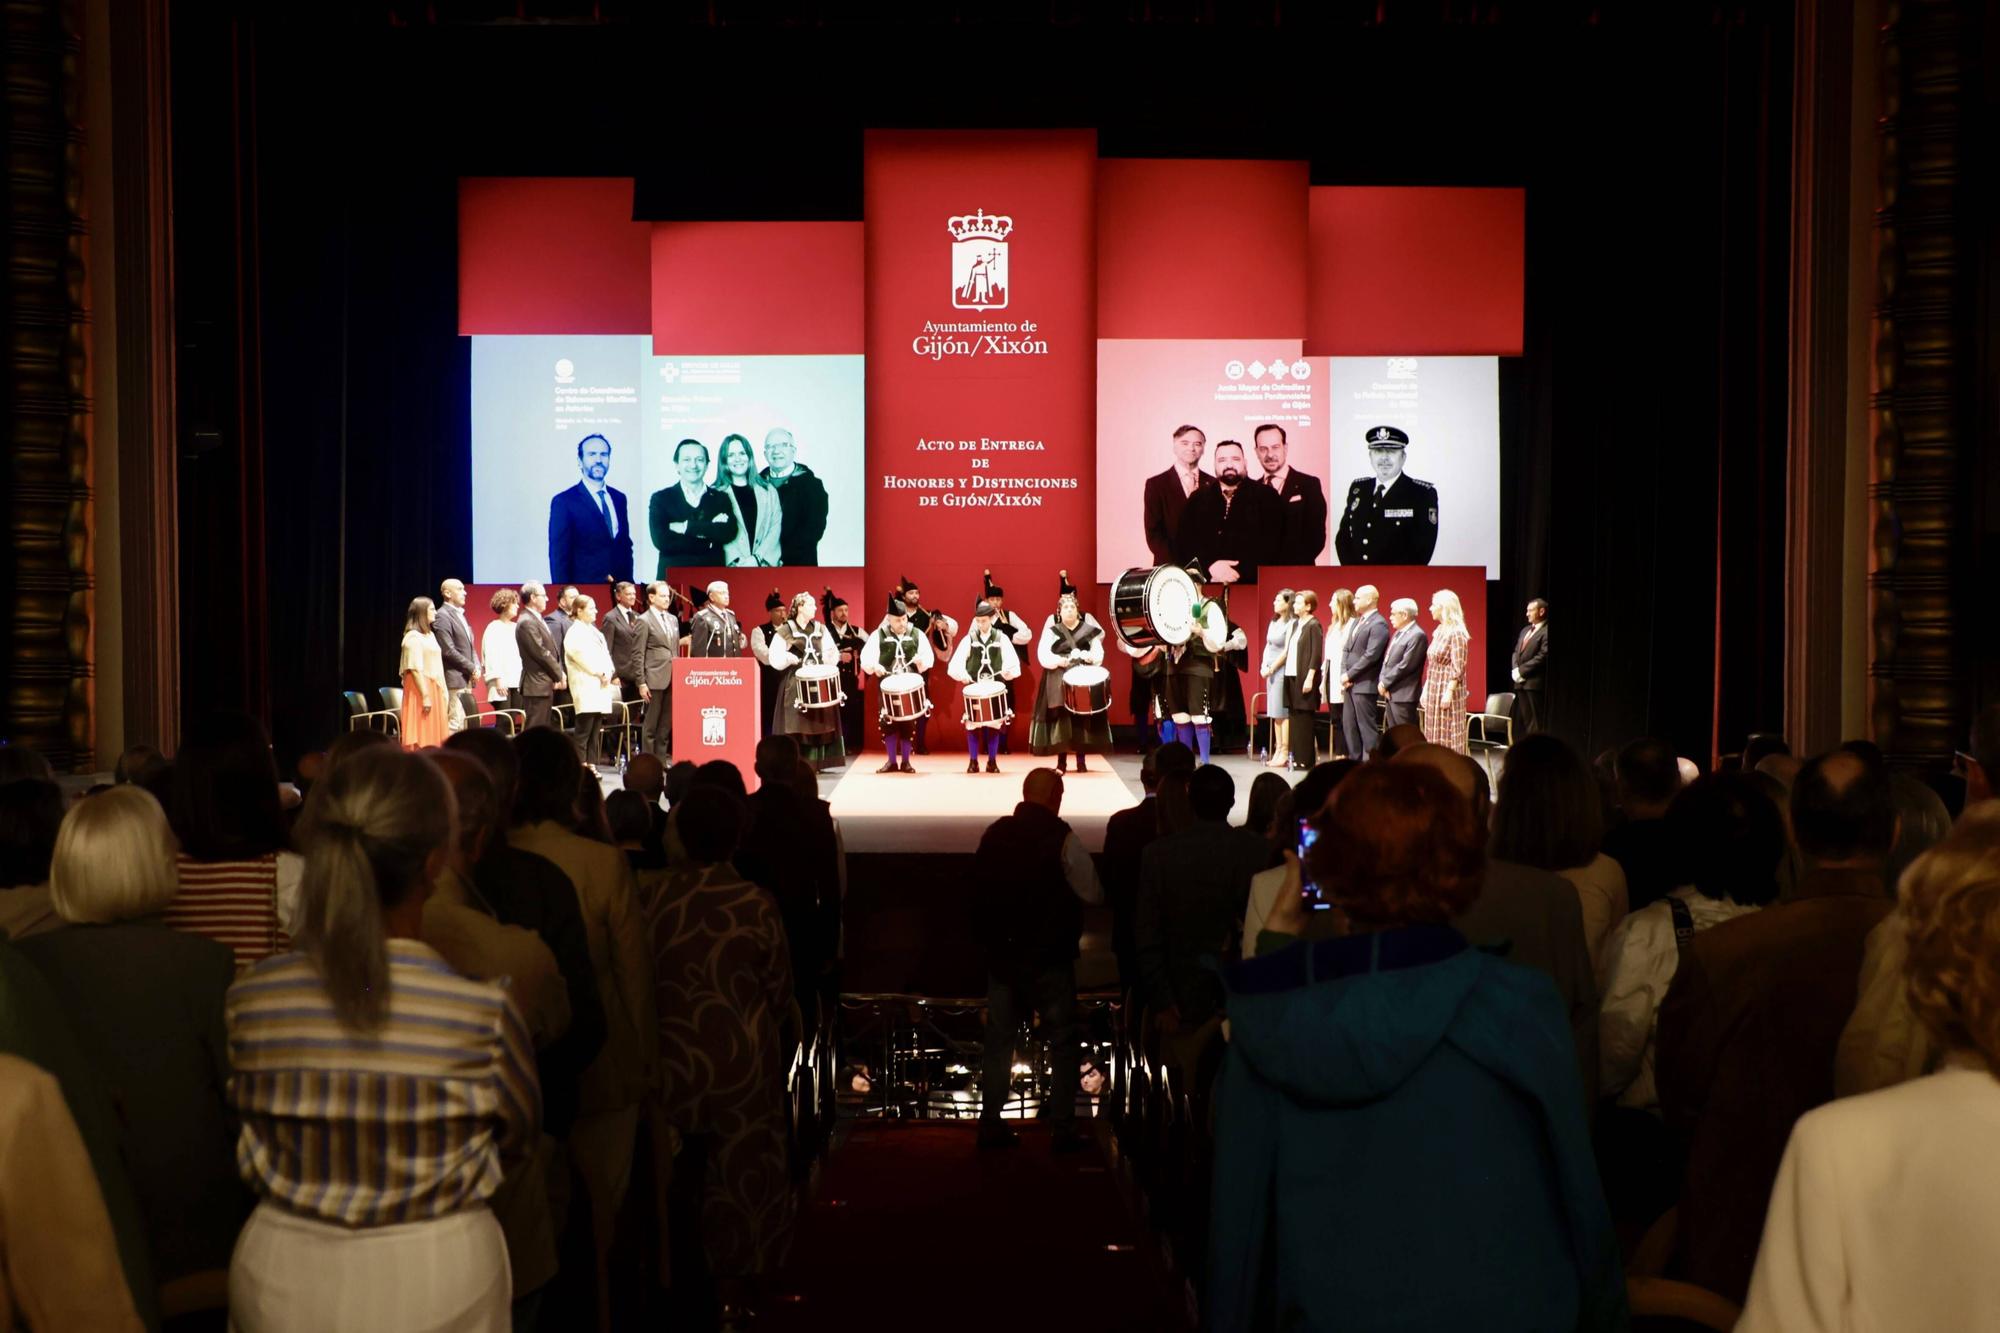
point(714, 726)
point(979, 277)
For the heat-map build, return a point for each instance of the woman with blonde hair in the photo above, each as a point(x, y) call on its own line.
point(501, 650)
point(381, 1095)
point(1885, 1202)
point(1339, 625)
point(146, 1001)
point(424, 701)
point(1276, 638)
point(587, 662)
point(1442, 708)
point(756, 503)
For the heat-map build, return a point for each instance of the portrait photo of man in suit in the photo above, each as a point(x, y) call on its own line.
point(1301, 520)
point(1168, 493)
point(1230, 527)
point(590, 534)
point(1391, 517)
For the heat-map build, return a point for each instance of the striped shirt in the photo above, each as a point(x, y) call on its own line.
point(233, 903)
point(405, 1124)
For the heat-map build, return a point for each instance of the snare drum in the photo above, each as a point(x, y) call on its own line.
point(986, 704)
point(819, 686)
point(1086, 689)
point(904, 697)
point(1154, 606)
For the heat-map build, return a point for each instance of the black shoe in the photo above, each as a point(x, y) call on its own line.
point(996, 1134)
point(1080, 765)
point(906, 768)
point(1070, 1138)
point(972, 765)
point(1062, 764)
point(992, 765)
point(889, 767)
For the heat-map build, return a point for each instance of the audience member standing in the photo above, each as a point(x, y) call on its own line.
point(1031, 878)
point(1400, 1140)
point(1749, 1028)
point(31, 815)
point(1127, 834)
point(239, 882)
point(725, 1033)
point(1443, 706)
point(1885, 1206)
point(146, 1004)
point(368, 1040)
point(424, 693)
point(1192, 888)
point(1548, 816)
point(1648, 777)
point(601, 1141)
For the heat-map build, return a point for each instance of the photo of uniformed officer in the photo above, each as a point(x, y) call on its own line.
point(1390, 518)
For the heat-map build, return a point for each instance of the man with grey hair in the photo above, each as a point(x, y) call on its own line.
point(1402, 678)
point(803, 496)
point(659, 636)
point(461, 659)
point(714, 632)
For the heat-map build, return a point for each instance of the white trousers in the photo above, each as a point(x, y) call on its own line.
point(291, 1274)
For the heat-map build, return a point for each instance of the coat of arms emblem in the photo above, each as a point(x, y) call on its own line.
point(979, 278)
point(714, 726)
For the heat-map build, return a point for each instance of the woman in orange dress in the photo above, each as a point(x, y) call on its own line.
point(424, 705)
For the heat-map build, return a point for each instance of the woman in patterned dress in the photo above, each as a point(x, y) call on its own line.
point(723, 977)
point(1443, 706)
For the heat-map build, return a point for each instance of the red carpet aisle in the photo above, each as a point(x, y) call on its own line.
point(914, 1227)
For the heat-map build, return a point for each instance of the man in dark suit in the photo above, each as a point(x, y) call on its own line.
point(1531, 658)
point(590, 536)
point(1193, 886)
point(461, 660)
point(659, 640)
point(1302, 520)
point(1305, 654)
point(624, 639)
point(802, 497)
point(1230, 528)
point(541, 660)
point(1168, 493)
point(1360, 668)
point(1402, 678)
point(1391, 518)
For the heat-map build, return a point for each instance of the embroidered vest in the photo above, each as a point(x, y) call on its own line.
point(886, 646)
point(984, 656)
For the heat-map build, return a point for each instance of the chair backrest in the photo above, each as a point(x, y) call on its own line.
point(357, 703)
point(392, 697)
point(1501, 705)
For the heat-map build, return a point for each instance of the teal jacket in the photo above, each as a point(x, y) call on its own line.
point(1400, 1144)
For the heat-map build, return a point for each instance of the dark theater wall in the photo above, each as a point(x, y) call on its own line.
point(1642, 424)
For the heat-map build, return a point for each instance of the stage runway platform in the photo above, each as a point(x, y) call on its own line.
point(943, 808)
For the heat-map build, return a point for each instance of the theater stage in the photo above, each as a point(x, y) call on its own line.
point(943, 808)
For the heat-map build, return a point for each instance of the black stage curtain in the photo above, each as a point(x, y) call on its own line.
point(1642, 486)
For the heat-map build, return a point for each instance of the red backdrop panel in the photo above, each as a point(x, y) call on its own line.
point(757, 288)
point(551, 255)
point(1429, 271)
point(1416, 582)
point(1201, 248)
point(935, 414)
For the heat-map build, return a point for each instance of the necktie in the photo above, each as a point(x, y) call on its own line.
point(605, 510)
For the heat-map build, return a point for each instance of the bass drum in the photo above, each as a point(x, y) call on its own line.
point(904, 697)
point(1154, 607)
point(1086, 689)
